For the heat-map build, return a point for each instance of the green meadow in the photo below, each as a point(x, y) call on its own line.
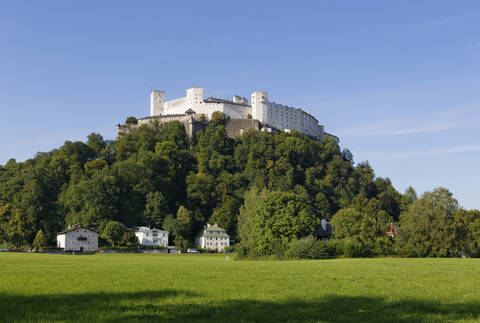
point(201, 288)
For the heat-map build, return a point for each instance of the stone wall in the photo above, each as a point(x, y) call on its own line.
point(236, 127)
point(192, 124)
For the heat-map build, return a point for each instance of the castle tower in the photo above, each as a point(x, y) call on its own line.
point(259, 106)
point(156, 102)
point(194, 97)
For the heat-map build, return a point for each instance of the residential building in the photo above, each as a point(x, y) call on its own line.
point(392, 232)
point(152, 237)
point(78, 238)
point(213, 237)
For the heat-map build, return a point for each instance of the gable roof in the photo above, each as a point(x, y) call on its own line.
point(76, 228)
point(213, 230)
point(147, 229)
point(217, 100)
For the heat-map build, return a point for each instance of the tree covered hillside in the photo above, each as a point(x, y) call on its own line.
point(268, 191)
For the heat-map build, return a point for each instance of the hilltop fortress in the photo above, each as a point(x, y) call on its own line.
point(194, 112)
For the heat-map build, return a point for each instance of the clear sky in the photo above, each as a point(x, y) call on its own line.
point(397, 81)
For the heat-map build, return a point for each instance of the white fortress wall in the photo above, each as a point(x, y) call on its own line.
point(236, 111)
point(170, 107)
point(284, 117)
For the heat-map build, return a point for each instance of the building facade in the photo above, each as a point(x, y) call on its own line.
point(78, 239)
point(213, 237)
point(152, 237)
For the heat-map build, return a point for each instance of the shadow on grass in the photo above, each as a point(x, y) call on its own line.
point(182, 306)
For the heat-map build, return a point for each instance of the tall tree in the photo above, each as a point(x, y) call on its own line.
point(433, 226)
point(279, 218)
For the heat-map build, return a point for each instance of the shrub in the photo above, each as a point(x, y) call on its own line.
point(249, 116)
point(353, 248)
point(218, 117)
point(131, 120)
point(300, 249)
point(241, 250)
point(383, 246)
point(309, 248)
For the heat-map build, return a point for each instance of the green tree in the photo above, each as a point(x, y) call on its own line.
point(226, 214)
point(473, 221)
point(40, 241)
point(346, 223)
point(433, 226)
point(113, 232)
point(96, 144)
point(218, 117)
point(408, 198)
point(131, 120)
point(130, 240)
point(155, 209)
point(279, 218)
point(245, 219)
point(185, 223)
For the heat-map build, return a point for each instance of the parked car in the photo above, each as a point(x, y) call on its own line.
point(192, 251)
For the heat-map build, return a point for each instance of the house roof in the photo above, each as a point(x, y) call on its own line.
point(217, 100)
point(147, 229)
point(161, 116)
point(213, 230)
point(76, 228)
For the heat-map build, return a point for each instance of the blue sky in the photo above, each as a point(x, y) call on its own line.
point(397, 81)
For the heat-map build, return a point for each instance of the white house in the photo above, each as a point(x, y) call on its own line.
point(78, 238)
point(213, 237)
point(152, 237)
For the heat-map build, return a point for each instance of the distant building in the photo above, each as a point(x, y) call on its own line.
point(193, 111)
point(152, 237)
point(78, 238)
point(324, 232)
point(392, 232)
point(213, 237)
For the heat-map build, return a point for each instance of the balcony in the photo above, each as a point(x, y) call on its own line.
point(82, 238)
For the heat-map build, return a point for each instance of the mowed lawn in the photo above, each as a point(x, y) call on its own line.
point(195, 288)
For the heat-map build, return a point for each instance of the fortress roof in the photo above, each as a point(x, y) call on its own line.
point(216, 100)
point(162, 116)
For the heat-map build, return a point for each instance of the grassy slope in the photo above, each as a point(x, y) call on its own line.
point(124, 288)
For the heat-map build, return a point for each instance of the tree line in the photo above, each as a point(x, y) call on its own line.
point(269, 191)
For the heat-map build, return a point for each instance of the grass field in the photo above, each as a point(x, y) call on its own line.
point(195, 288)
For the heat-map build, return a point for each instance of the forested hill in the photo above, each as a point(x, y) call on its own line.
point(266, 190)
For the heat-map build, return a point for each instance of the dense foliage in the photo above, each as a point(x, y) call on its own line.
point(268, 191)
